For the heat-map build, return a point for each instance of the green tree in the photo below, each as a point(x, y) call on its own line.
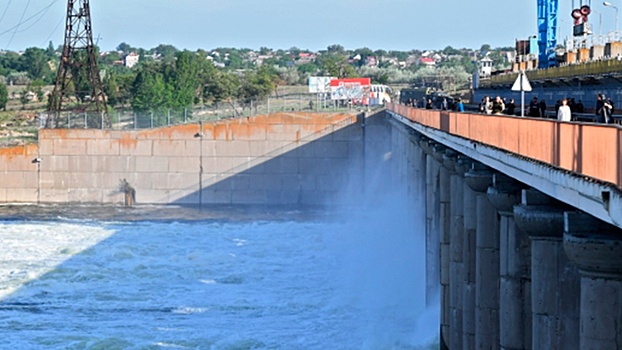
point(36, 86)
point(308, 68)
point(380, 53)
point(166, 52)
point(23, 98)
point(81, 81)
point(9, 63)
point(336, 49)
point(111, 89)
point(185, 79)
point(4, 96)
point(448, 50)
point(125, 48)
point(364, 53)
point(150, 91)
point(51, 52)
point(336, 66)
point(257, 85)
point(35, 61)
point(222, 87)
point(110, 58)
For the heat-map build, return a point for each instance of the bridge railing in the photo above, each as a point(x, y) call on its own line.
point(588, 149)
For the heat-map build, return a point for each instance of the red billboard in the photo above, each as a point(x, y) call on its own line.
point(354, 89)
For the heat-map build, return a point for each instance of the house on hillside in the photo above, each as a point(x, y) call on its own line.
point(131, 60)
point(306, 57)
point(371, 61)
point(427, 61)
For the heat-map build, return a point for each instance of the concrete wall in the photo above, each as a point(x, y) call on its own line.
point(276, 159)
point(18, 174)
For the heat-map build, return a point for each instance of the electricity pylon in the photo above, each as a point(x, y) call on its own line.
point(78, 74)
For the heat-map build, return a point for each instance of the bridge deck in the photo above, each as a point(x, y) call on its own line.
point(578, 163)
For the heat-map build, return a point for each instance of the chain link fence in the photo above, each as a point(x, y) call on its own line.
point(131, 120)
point(128, 120)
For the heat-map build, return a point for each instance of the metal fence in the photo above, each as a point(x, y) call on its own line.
point(127, 120)
point(130, 120)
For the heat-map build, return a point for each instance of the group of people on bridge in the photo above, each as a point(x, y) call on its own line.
point(566, 109)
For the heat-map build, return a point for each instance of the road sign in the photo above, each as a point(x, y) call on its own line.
point(521, 83)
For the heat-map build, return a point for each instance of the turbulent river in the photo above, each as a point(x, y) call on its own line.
point(220, 278)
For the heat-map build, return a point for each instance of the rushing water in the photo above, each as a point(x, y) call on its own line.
point(227, 279)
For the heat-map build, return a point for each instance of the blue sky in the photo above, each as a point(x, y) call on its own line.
point(281, 24)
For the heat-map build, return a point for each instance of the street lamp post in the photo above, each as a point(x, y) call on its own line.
point(608, 4)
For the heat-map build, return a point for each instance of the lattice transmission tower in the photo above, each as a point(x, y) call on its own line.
point(78, 84)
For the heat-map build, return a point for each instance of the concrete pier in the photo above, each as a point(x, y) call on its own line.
point(468, 259)
point(486, 262)
point(554, 280)
point(432, 241)
point(515, 276)
point(456, 263)
point(596, 248)
point(445, 220)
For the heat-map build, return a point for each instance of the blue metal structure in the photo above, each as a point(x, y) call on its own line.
point(547, 32)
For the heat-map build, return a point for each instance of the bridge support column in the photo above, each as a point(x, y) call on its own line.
point(432, 240)
point(468, 260)
point(596, 248)
point(433, 233)
point(445, 220)
point(514, 268)
point(486, 262)
point(456, 232)
point(554, 280)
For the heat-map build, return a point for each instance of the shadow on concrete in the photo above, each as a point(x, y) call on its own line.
point(312, 171)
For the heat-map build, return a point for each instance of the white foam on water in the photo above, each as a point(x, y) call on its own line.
point(30, 250)
point(190, 285)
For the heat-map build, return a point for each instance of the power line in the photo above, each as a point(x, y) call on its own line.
point(53, 31)
point(5, 10)
point(42, 12)
point(18, 24)
point(22, 21)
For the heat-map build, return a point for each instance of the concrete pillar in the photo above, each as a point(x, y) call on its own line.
point(486, 262)
point(445, 220)
point(468, 259)
point(432, 223)
point(434, 291)
point(514, 268)
point(453, 162)
point(596, 249)
point(554, 280)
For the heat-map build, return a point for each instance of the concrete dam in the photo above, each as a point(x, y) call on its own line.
point(521, 216)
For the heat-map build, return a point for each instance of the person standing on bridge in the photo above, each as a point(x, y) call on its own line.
point(511, 107)
point(498, 106)
point(543, 109)
point(534, 108)
point(563, 113)
point(486, 105)
point(460, 105)
point(603, 109)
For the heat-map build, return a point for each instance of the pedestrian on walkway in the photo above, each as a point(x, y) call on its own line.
point(534, 108)
point(511, 107)
point(603, 109)
point(543, 108)
point(563, 113)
